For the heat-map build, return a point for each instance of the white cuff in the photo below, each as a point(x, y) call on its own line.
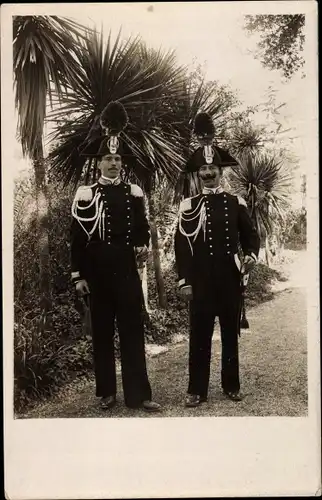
point(75, 275)
point(182, 282)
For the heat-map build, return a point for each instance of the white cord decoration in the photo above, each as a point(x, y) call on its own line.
point(199, 211)
point(97, 215)
point(98, 219)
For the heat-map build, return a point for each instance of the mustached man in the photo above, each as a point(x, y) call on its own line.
point(211, 227)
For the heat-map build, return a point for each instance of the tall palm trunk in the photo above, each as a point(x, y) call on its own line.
point(156, 253)
point(267, 251)
point(42, 236)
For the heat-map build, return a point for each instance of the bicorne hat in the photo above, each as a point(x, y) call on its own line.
point(207, 153)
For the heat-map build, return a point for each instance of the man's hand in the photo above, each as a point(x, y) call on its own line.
point(248, 264)
point(141, 254)
point(186, 293)
point(82, 288)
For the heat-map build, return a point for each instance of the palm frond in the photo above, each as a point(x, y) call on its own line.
point(44, 54)
point(245, 138)
point(144, 81)
point(265, 182)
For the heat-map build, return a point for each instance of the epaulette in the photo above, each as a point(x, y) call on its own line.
point(84, 193)
point(185, 205)
point(136, 191)
point(241, 201)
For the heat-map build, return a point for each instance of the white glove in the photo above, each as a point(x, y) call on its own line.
point(82, 288)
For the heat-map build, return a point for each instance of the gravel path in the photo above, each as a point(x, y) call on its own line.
point(273, 370)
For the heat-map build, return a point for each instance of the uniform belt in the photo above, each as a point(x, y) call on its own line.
point(112, 245)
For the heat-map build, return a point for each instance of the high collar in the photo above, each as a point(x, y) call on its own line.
point(106, 181)
point(217, 190)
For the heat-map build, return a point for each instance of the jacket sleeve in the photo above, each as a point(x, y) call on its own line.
point(248, 235)
point(183, 256)
point(78, 241)
point(142, 228)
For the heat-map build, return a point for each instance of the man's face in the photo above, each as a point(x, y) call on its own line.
point(210, 175)
point(110, 165)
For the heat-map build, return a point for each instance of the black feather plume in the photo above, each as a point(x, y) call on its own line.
point(204, 126)
point(114, 118)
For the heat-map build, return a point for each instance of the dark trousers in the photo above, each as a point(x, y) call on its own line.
point(222, 302)
point(116, 293)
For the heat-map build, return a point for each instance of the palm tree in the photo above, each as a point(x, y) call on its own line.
point(44, 51)
point(245, 137)
point(264, 182)
point(146, 82)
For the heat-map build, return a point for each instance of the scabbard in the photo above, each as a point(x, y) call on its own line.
point(244, 324)
point(87, 321)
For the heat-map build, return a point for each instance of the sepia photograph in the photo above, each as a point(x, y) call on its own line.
point(161, 164)
point(201, 204)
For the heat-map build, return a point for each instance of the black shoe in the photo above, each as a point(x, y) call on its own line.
point(193, 400)
point(233, 395)
point(108, 402)
point(151, 406)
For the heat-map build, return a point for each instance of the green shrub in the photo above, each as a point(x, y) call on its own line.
point(259, 285)
point(43, 362)
point(173, 320)
point(294, 230)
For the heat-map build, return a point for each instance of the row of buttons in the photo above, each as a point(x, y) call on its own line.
point(209, 223)
point(108, 219)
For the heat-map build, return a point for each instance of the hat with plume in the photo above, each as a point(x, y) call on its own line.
point(207, 153)
point(104, 135)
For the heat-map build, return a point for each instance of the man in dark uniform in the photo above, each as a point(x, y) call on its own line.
point(109, 232)
point(211, 227)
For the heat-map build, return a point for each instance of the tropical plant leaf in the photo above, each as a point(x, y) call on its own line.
point(144, 81)
point(265, 182)
point(44, 52)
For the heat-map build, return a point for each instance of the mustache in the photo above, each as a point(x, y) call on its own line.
point(206, 177)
